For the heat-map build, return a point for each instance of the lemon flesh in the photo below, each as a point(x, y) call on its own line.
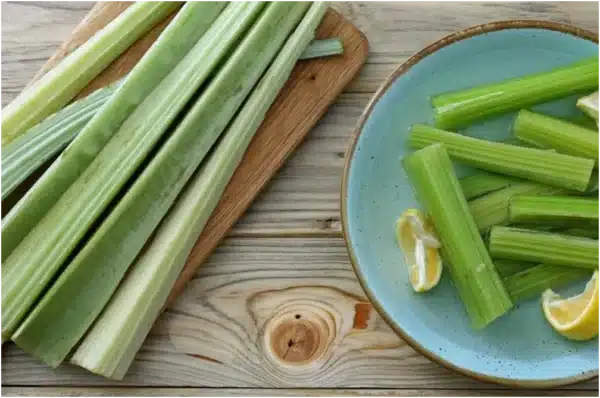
point(419, 243)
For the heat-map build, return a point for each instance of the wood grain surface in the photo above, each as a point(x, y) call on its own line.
point(228, 333)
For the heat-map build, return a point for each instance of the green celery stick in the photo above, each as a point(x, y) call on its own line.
point(323, 48)
point(25, 154)
point(128, 107)
point(583, 232)
point(493, 208)
point(110, 345)
point(463, 107)
point(482, 183)
point(543, 247)
point(35, 261)
point(63, 82)
point(557, 210)
point(553, 133)
point(508, 268)
point(533, 281)
point(96, 271)
point(546, 167)
point(438, 190)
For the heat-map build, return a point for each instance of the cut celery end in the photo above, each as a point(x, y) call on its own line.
point(546, 167)
point(461, 108)
point(482, 183)
point(553, 133)
point(109, 347)
point(25, 154)
point(62, 83)
point(543, 247)
point(438, 190)
point(323, 48)
point(140, 210)
point(147, 100)
point(589, 105)
point(533, 281)
point(558, 210)
point(47, 244)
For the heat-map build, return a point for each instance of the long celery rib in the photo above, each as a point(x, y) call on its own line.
point(493, 208)
point(482, 183)
point(323, 48)
point(96, 271)
point(537, 165)
point(552, 133)
point(557, 210)
point(33, 263)
point(543, 247)
point(110, 345)
point(507, 268)
point(462, 107)
point(479, 285)
point(139, 104)
point(57, 87)
point(27, 153)
point(533, 281)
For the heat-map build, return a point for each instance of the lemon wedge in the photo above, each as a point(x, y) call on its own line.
point(589, 104)
point(419, 243)
point(575, 317)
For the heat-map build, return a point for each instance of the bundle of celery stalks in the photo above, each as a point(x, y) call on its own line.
point(527, 219)
point(91, 251)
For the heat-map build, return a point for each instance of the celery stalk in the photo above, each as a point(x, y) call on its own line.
point(589, 105)
point(493, 208)
point(323, 48)
point(558, 210)
point(110, 345)
point(537, 165)
point(61, 84)
point(438, 190)
point(28, 152)
point(482, 183)
point(543, 247)
point(583, 232)
point(146, 202)
point(507, 268)
point(533, 281)
point(139, 103)
point(34, 262)
point(462, 107)
point(553, 133)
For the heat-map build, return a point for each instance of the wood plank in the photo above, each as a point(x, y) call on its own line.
point(280, 392)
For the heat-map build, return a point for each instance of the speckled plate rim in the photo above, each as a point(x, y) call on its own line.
point(413, 60)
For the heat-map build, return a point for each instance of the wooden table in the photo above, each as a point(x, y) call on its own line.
point(286, 253)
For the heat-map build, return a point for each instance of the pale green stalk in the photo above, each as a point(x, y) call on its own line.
point(558, 210)
point(140, 102)
point(481, 183)
point(479, 286)
point(35, 261)
point(25, 154)
point(323, 48)
point(546, 167)
point(98, 268)
point(533, 281)
point(110, 345)
point(63, 82)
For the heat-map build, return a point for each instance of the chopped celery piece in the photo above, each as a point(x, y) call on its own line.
point(533, 281)
point(34, 262)
point(557, 210)
point(438, 190)
point(543, 247)
point(482, 182)
point(110, 345)
point(583, 121)
point(323, 48)
point(462, 107)
point(27, 153)
point(96, 271)
point(508, 268)
point(146, 102)
point(583, 232)
point(492, 209)
point(553, 133)
point(63, 82)
point(537, 165)
point(589, 105)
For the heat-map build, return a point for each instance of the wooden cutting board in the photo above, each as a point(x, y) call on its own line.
point(312, 88)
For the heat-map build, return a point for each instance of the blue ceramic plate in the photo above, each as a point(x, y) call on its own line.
point(519, 349)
